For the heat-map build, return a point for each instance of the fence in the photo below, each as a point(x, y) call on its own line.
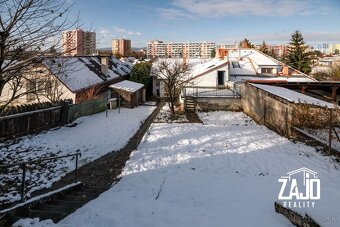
point(86, 108)
point(198, 91)
point(25, 123)
point(24, 165)
point(37, 120)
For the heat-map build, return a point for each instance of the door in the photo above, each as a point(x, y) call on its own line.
point(220, 78)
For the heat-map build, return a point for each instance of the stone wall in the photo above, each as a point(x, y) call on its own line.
point(295, 218)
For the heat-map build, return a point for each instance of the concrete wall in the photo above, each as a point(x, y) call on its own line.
point(267, 109)
point(219, 103)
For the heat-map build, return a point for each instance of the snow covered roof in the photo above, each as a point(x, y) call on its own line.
point(240, 78)
point(254, 55)
point(205, 66)
point(77, 73)
point(127, 85)
point(198, 66)
point(293, 96)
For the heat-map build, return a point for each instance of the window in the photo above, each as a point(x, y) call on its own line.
point(267, 70)
point(30, 89)
point(235, 64)
point(220, 77)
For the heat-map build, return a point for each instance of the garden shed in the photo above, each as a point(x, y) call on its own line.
point(132, 94)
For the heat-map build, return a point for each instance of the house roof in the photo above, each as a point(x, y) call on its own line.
point(78, 73)
point(127, 85)
point(199, 67)
point(269, 79)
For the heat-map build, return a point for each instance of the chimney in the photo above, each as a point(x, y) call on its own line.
point(285, 70)
point(104, 60)
point(222, 53)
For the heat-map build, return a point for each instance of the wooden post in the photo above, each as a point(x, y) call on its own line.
point(28, 124)
point(334, 97)
point(23, 183)
point(287, 127)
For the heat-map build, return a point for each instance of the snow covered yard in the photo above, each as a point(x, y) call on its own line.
point(222, 173)
point(93, 136)
point(164, 116)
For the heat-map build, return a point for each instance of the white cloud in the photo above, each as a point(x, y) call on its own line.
point(221, 8)
point(126, 32)
point(105, 35)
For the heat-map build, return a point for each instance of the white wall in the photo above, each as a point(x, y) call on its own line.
point(210, 79)
point(44, 76)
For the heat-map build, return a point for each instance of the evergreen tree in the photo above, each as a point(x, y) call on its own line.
point(213, 53)
point(140, 73)
point(297, 56)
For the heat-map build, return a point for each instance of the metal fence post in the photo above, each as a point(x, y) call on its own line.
point(76, 172)
point(330, 131)
point(23, 183)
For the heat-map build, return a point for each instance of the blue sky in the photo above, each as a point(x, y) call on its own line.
point(220, 21)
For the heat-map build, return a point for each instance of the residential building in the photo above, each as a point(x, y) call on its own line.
point(231, 67)
point(158, 48)
point(324, 48)
point(278, 49)
point(79, 43)
point(121, 46)
point(335, 49)
point(68, 77)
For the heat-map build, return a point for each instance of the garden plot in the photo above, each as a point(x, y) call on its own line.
point(93, 136)
point(223, 172)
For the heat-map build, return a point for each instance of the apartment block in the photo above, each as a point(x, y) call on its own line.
point(158, 48)
point(79, 43)
point(121, 46)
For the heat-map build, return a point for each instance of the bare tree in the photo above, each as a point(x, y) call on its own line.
point(175, 75)
point(29, 30)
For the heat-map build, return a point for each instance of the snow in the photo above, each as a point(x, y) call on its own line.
point(127, 85)
point(82, 72)
point(93, 136)
point(197, 66)
point(254, 55)
point(293, 96)
point(164, 116)
point(246, 68)
point(40, 197)
point(238, 78)
point(224, 172)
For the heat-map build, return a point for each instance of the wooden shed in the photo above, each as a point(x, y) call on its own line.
point(131, 93)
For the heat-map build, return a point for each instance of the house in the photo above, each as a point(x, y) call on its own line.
point(233, 66)
point(250, 64)
point(76, 78)
point(203, 73)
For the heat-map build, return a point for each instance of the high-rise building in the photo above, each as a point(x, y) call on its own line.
point(324, 48)
point(79, 43)
point(121, 46)
point(158, 48)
